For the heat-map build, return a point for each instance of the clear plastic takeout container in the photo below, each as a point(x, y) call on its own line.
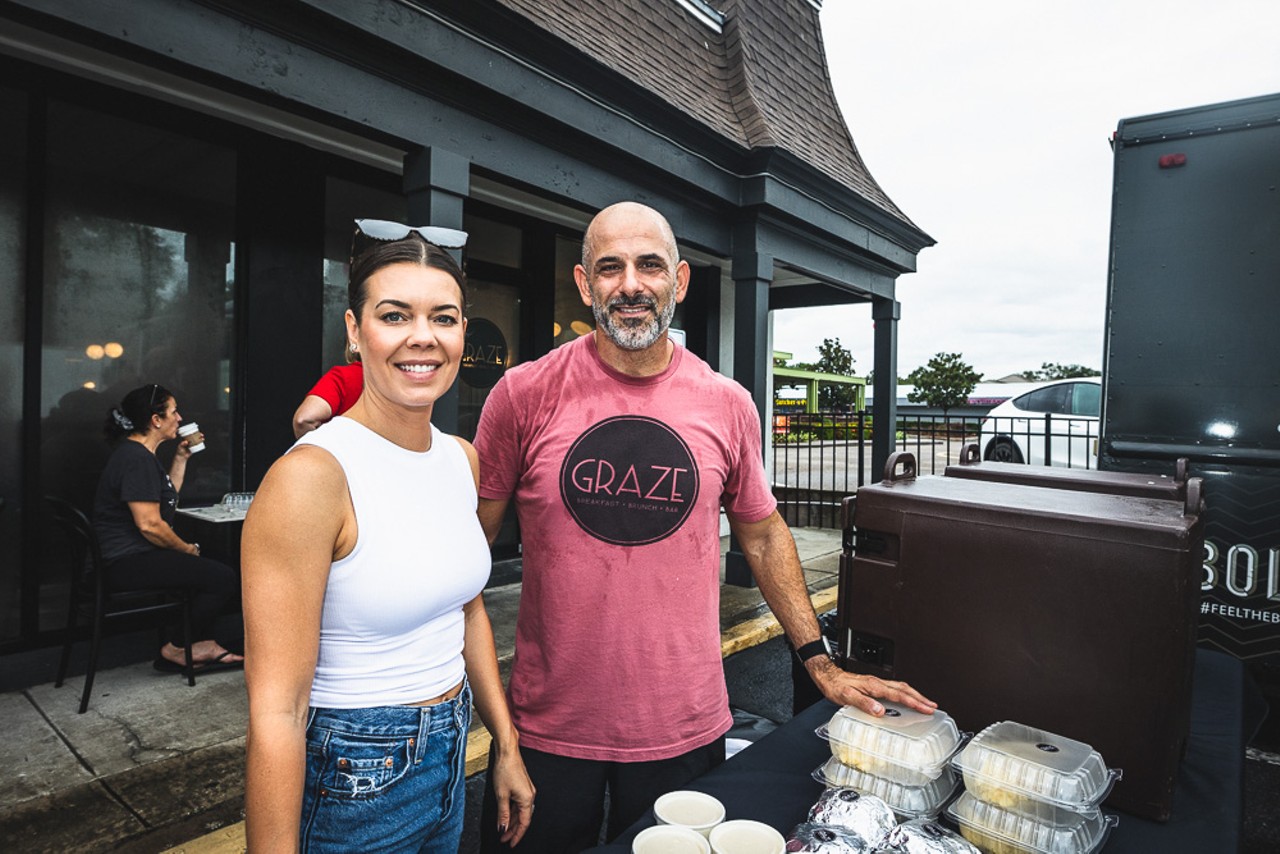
point(1000, 831)
point(1034, 772)
point(908, 802)
point(904, 746)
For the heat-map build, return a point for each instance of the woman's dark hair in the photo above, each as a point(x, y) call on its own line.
point(133, 415)
point(411, 250)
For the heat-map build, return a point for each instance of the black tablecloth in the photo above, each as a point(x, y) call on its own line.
point(770, 781)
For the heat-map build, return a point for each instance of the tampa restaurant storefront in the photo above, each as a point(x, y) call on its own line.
point(178, 182)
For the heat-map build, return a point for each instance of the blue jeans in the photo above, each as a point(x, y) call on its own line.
point(390, 778)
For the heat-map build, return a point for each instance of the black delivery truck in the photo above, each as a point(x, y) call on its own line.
point(1192, 352)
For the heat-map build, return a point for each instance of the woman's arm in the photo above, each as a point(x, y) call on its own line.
point(158, 532)
point(511, 782)
point(299, 520)
point(178, 468)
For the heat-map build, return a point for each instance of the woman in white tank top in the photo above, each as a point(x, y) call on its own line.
point(363, 565)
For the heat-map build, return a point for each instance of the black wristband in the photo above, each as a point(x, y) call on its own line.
point(813, 649)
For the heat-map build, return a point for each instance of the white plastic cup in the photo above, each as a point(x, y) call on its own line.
point(669, 839)
point(188, 429)
point(744, 836)
point(685, 808)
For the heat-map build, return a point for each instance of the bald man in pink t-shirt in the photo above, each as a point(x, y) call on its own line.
point(620, 449)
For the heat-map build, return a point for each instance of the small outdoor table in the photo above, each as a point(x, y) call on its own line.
point(217, 529)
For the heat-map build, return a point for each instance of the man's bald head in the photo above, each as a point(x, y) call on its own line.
point(627, 216)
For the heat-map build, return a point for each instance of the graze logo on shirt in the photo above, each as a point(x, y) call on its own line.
point(629, 481)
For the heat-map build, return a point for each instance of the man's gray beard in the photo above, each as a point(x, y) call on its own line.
point(641, 336)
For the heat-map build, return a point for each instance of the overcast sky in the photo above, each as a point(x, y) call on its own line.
point(987, 124)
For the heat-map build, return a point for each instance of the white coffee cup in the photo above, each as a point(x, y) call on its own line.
point(744, 836)
point(694, 810)
point(188, 429)
point(669, 839)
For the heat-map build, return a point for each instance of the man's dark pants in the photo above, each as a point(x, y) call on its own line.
point(569, 807)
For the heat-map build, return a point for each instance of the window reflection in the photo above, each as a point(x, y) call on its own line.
point(573, 318)
point(493, 342)
point(138, 281)
point(13, 134)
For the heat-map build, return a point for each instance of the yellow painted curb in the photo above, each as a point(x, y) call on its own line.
point(230, 839)
point(766, 627)
point(478, 741)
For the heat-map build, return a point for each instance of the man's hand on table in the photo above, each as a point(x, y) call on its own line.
point(854, 689)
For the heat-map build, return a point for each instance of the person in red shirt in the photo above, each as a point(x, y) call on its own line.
point(334, 394)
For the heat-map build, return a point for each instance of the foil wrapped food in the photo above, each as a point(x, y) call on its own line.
point(866, 815)
point(825, 839)
point(923, 836)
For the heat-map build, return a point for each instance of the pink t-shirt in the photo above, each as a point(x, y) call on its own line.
point(340, 387)
point(618, 483)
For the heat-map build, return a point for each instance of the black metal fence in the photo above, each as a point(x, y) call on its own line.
point(818, 459)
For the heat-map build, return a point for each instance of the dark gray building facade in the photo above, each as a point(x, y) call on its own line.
point(179, 179)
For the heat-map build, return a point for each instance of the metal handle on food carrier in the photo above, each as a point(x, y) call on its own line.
point(848, 507)
point(970, 454)
point(908, 462)
point(1194, 505)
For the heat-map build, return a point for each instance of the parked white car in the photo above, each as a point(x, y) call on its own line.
point(1066, 411)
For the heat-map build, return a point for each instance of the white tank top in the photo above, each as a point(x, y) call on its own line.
point(392, 625)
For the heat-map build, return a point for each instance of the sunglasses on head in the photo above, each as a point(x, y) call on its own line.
point(383, 229)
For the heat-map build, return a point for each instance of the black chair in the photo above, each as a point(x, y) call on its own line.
point(90, 599)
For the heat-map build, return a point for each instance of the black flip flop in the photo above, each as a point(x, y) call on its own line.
point(219, 664)
point(164, 665)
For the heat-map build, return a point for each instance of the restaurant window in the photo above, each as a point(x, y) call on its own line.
point(495, 281)
point(493, 341)
point(493, 242)
point(13, 171)
point(138, 287)
point(573, 319)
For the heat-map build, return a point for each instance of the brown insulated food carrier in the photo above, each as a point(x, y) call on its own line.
point(1170, 487)
point(1067, 610)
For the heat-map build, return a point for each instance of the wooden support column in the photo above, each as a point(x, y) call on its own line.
point(752, 273)
point(280, 268)
point(884, 414)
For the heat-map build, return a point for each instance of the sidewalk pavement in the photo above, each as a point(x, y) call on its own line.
point(157, 765)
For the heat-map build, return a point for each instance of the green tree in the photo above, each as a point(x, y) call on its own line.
point(912, 378)
point(1055, 371)
point(944, 382)
point(834, 358)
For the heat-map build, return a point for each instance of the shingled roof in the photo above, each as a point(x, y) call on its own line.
point(762, 83)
